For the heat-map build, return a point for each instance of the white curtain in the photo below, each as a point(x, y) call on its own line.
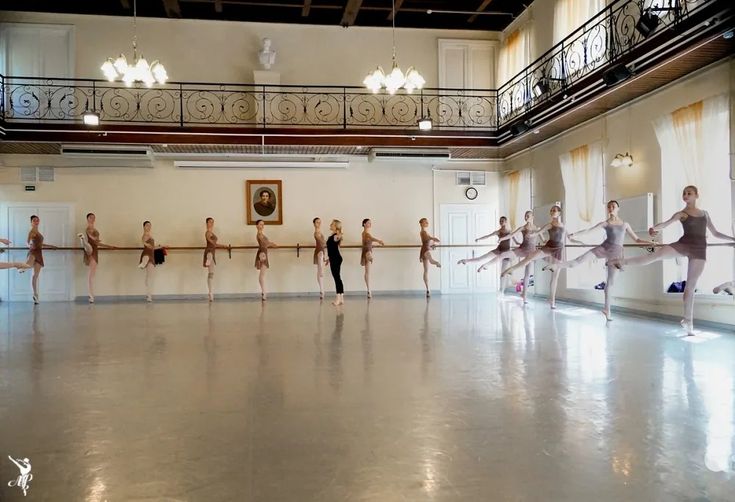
point(695, 150)
point(571, 14)
point(517, 195)
point(515, 53)
point(582, 174)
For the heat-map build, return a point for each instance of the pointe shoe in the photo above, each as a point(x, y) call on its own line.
point(615, 263)
point(369, 295)
point(149, 299)
point(550, 268)
point(211, 297)
point(438, 265)
point(144, 263)
point(428, 293)
point(35, 300)
point(607, 315)
point(321, 295)
point(263, 297)
point(91, 299)
point(726, 289)
point(481, 269)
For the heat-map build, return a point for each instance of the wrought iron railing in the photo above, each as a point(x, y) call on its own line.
point(202, 104)
point(607, 36)
point(599, 43)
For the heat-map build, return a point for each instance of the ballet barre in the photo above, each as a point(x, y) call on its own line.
point(299, 247)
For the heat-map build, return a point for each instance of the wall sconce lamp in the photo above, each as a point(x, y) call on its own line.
point(621, 160)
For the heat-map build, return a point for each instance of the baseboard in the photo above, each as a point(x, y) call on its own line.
point(247, 296)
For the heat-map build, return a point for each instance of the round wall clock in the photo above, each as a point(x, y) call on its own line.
point(471, 193)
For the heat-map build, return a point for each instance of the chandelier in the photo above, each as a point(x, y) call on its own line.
point(139, 70)
point(396, 79)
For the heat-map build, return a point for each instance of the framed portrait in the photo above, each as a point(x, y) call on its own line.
point(264, 201)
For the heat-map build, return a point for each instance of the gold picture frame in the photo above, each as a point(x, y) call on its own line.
point(264, 201)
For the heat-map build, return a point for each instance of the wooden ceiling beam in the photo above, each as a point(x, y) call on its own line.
point(307, 7)
point(350, 13)
point(481, 8)
point(399, 3)
point(173, 9)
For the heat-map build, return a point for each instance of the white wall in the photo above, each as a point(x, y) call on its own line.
point(630, 129)
point(221, 51)
point(394, 195)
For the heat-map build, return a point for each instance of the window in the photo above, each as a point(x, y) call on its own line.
point(517, 196)
point(515, 54)
point(582, 174)
point(587, 49)
point(695, 150)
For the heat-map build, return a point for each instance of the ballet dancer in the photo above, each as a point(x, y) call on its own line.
point(334, 260)
point(147, 261)
point(692, 245)
point(425, 258)
point(366, 257)
point(501, 252)
point(209, 261)
point(261, 257)
point(12, 264)
point(526, 247)
point(91, 243)
point(551, 251)
point(35, 254)
point(611, 248)
point(320, 254)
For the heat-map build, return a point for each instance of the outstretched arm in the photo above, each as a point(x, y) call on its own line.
point(717, 233)
point(659, 226)
point(540, 230)
point(5, 241)
point(376, 240)
point(145, 243)
point(634, 236)
point(486, 236)
point(514, 232)
point(584, 231)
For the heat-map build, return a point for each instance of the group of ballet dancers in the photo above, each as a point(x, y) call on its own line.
point(692, 245)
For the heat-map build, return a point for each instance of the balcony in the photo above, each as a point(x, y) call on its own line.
point(553, 93)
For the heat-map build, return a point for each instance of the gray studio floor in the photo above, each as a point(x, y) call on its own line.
point(398, 399)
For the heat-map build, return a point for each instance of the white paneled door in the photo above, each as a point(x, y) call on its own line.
point(56, 227)
point(461, 224)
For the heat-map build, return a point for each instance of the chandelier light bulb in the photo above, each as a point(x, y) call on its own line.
point(137, 71)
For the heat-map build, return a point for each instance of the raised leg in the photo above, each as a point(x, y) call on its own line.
point(662, 253)
point(479, 258)
point(589, 255)
point(528, 259)
point(727, 287)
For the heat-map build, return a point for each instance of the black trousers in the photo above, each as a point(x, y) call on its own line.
point(335, 266)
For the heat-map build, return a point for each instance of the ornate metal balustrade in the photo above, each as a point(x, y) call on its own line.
point(197, 104)
point(598, 44)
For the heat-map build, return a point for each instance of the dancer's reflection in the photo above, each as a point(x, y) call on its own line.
point(37, 354)
point(426, 345)
point(210, 350)
point(367, 345)
point(335, 352)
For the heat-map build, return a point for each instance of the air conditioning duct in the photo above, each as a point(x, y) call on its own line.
point(142, 152)
point(378, 154)
point(287, 163)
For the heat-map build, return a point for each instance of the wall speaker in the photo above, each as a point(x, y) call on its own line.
point(519, 128)
point(616, 74)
